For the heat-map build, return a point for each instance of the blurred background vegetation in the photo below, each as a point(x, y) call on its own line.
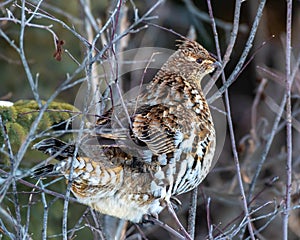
point(221, 184)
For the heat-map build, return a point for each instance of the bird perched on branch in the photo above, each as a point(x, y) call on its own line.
point(150, 150)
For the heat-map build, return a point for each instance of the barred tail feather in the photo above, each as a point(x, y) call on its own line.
point(46, 171)
point(56, 148)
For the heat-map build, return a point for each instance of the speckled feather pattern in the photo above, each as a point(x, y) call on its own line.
point(166, 150)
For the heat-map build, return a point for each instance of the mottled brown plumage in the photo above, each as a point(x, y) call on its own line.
point(160, 147)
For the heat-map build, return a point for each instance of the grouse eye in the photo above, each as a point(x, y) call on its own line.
point(199, 60)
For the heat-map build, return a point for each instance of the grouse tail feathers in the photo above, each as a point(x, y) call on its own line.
point(49, 170)
point(55, 148)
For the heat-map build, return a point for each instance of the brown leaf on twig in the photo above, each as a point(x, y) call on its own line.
point(59, 49)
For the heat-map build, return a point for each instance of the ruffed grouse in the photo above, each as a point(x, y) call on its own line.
point(160, 147)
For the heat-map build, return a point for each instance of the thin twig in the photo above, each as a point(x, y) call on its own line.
point(28, 184)
point(168, 228)
point(288, 86)
point(45, 215)
point(205, 17)
point(192, 213)
point(70, 177)
point(256, 101)
point(181, 228)
point(209, 225)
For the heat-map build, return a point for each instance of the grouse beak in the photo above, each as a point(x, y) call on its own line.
point(214, 58)
point(217, 64)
